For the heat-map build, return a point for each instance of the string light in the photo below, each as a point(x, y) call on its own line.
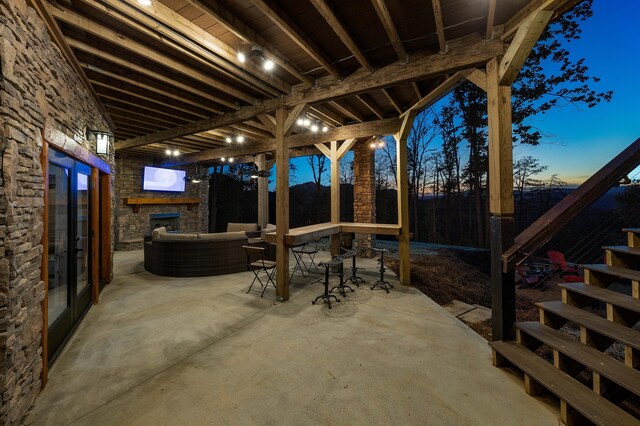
point(314, 126)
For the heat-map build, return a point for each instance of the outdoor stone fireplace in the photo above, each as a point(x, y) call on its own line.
point(171, 221)
point(131, 224)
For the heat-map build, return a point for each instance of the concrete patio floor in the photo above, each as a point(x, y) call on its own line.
point(159, 350)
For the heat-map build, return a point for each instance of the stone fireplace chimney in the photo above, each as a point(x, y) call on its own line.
point(364, 192)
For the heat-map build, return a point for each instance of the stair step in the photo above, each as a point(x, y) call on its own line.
point(607, 296)
point(591, 405)
point(614, 271)
point(603, 364)
point(626, 335)
point(632, 230)
point(623, 249)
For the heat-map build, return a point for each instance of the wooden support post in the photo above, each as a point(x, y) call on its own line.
point(263, 192)
point(282, 206)
point(106, 271)
point(94, 224)
point(403, 196)
point(501, 205)
point(335, 196)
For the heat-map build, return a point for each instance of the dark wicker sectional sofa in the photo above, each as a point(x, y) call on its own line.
point(196, 255)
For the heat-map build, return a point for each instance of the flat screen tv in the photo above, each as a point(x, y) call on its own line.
point(158, 179)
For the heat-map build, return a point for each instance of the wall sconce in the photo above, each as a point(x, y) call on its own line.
point(102, 140)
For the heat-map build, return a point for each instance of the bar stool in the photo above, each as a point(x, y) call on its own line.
point(354, 269)
point(343, 286)
point(326, 296)
point(385, 285)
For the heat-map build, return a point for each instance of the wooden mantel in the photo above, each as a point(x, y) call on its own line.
point(137, 202)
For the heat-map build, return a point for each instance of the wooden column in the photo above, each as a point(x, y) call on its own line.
point(501, 203)
point(105, 228)
point(403, 196)
point(263, 192)
point(335, 196)
point(95, 235)
point(282, 205)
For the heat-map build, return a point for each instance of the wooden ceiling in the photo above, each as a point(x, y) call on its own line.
point(175, 62)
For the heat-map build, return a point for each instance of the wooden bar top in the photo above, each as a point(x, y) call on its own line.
point(310, 233)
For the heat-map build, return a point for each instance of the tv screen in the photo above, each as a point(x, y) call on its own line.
point(157, 179)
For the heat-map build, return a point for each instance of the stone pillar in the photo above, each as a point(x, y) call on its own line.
point(364, 191)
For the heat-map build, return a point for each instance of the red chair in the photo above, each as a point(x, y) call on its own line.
point(559, 263)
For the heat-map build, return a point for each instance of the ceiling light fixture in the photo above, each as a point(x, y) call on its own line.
point(235, 138)
point(144, 2)
point(256, 52)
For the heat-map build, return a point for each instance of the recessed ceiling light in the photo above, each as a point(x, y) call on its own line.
point(228, 139)
point(231, 159)
point(314, 128)
point(300, 122)
point(325, 129)
point(268, 64)
point(240, 139)
point(168, 151)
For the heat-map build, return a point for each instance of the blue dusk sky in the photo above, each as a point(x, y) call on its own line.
point(580, 141)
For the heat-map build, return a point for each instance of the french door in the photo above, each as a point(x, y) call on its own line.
point(69, 215)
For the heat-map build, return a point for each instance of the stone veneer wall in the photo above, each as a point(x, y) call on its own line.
point(130, 227)
point(364, 191)
point(37, 84)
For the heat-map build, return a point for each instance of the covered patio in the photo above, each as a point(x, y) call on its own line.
point(202, 351)
point(96, 92)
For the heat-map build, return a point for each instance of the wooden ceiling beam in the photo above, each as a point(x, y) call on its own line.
point(526, 37)
point(119, 39)
point(171, 118)
point(491, 16)
point(248, 36)
point(371, 105)
point(347, 111)
point(150, 88)
point(360, 130)
point(479, 78)
point(91, 50)
point(269, 122)
point(385, 17)
point(438, 92)
point(339, 28)
point(437, 16)
point(286, 25)
point(148, 99)
point(59, 39)
point(169, 25)
point(323, 113)
point(392, 100)
point(512, 25)
point(416, 89)
point(463, 53)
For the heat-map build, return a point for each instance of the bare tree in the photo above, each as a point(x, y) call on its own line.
point(318, 167)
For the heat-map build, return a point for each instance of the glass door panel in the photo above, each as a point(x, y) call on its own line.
point(82, 233)
point(58, 203)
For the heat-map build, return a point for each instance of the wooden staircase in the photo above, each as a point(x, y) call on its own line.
point(592, 386)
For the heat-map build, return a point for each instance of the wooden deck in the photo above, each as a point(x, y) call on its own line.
point(306, 234)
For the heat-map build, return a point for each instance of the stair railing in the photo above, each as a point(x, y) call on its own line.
point(550, 223)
